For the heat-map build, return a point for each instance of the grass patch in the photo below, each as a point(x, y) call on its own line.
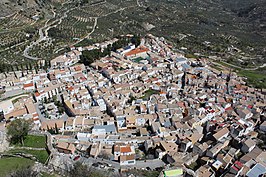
point(254, 78)
point(137, 60)
point(148, 93)
point(7, 165)
point(190, 56)
point(34, 141)
point(41, 155)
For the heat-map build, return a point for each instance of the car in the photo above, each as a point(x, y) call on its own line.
point(148, 168)
point(95, 165)
point(76, 158)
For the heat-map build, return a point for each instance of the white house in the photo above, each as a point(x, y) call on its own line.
point(6, 106)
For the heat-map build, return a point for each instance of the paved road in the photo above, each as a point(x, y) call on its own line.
point(12, 93)
point(44, 35)
point(152, 164)
point(41, 116)
point(235, 66)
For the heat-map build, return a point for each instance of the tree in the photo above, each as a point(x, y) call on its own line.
point(24, 172)
point(82, 170)
point(136, 40)
point(17, 130)
point(56, 129)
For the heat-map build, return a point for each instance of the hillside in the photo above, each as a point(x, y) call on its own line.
point(234, 31)
point(8, 7)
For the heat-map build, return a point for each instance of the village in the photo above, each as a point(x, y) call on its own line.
point(142, 107)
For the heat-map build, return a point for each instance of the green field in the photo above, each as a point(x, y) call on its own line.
point(148, 93)
point(7, 165)
point(255, 78)
point(41, 155)
point(35, 141)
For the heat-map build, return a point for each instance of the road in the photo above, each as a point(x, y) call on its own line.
point(43, 32)
point(152, 164)
point(235, 66)
point(14, 94)
point(44, 35)
point(41, 116)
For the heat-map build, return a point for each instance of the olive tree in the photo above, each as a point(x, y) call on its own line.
point(17, 130)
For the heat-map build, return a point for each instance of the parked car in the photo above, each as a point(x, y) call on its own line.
point(76, 158)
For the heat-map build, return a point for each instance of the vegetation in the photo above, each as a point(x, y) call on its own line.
point(144, 173)
point(35, 141)
point(47, 175)
point(41, 155)
point(24, 172)
point(148, 93)
point(237, 35)
point(90, 56)
point(84, 42)
point(7, 165)
point(59, 105)
point(17, 130)
point(254, 78)
point(85, 171)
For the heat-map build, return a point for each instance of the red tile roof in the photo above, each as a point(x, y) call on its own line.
point(28, 85)
point(125, 149)
point(137, 51)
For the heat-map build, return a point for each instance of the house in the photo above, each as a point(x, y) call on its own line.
point(103, 129)
point(143, 131)
point(168, 146)
point(199, 148)
point(185, 144)
point(95, 149)
point(263, 126)
point(6, 106)
point(148, 144)
point(127, 159)
point(52, 124)
point(138, 52)
point(205, 171)
point(236, 168)
point(248, 145)
point(222, 133)
point(66, 148)
point(29, 86)
point(217, 165)
point(226, 160)
point(244, 113)
point(126, 154)
point(216, 149)
point(257, 171)
point(248, 158)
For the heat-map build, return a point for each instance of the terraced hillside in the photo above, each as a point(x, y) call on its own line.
point(233, 31)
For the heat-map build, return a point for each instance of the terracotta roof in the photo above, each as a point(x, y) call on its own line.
point(137, 51)
point(28, 85)
point(125, 149)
